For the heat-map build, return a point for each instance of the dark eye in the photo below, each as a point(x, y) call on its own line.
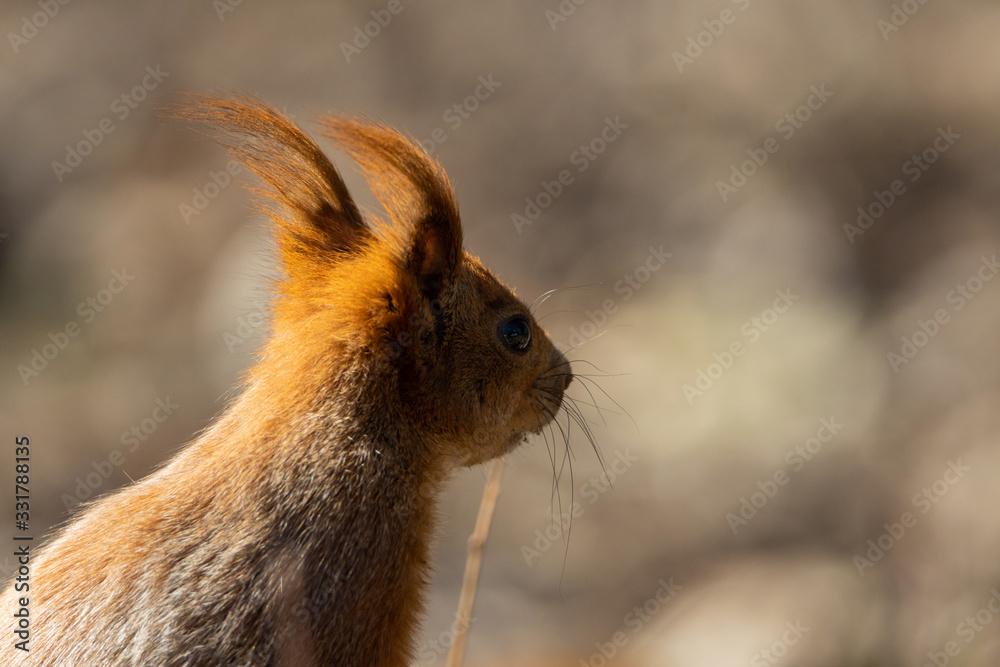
point(516, 334)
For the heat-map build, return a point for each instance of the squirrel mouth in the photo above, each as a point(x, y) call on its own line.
point(548, 389)
point(547, 397)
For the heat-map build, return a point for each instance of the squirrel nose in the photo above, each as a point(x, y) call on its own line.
point(561, 369)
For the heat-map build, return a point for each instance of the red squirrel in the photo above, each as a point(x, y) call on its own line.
point(295, 529)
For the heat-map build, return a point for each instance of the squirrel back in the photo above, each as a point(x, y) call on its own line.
point(295, 530)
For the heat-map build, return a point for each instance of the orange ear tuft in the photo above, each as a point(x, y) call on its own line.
point(415, 192)
point(318, 215)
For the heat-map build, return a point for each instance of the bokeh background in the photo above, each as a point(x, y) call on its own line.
point(810, 500)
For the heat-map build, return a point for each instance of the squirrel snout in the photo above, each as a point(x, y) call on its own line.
point(561, 371)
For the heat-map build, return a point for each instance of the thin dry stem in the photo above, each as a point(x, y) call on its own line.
point(473, 562)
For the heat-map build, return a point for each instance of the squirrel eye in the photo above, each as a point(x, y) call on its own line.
point(516, 334)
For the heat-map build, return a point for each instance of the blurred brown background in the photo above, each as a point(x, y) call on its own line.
point(811, 476)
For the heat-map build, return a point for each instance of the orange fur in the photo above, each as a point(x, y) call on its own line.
point(295, 530)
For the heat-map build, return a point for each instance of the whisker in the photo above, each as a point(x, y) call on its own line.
point(552, 455)
point(562, 431)
point(541, 429)
point(596, 336)
point(594, 400)
point(600, 410)
point(568, 533)
point(574, 410)
point(557, 476)
point(566, 450)
point(584, 361)
point(554, 491)
point(575, 414)
point(555, 312)
point(545, 296)
point(550, 402)
point(570, 362)
point(608, 396)
point(572, 407)
point(589, 404)
point(572, 374)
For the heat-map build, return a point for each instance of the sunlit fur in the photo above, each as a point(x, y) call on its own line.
point(295, 530)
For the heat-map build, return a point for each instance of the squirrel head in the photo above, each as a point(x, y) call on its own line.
point(395, 306)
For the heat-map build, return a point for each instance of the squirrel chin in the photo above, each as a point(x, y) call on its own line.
point(515, 440)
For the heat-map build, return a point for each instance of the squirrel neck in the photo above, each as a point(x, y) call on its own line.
point(349, 494)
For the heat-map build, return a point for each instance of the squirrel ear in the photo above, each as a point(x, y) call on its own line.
point(318, 213)
point(415, 192)
point(433, 255)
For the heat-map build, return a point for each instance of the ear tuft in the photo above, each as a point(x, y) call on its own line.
point(318, 215)
point(415, 192)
